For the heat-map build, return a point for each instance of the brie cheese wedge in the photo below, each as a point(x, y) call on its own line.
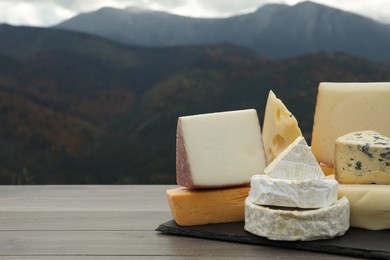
point(296, 162)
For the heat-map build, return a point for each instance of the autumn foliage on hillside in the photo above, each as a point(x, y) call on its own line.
point(91, 111)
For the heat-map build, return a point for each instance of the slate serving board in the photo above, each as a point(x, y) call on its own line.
point(356, 242)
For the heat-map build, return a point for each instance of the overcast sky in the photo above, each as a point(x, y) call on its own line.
point(50, 12)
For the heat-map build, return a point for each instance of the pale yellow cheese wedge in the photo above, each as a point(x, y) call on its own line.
point(280, 128)
point(342, 108)
point(200, 207)
point(370, 204)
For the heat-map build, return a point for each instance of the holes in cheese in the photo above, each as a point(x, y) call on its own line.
point(219, 149)
point(280, 128)
point(278, 141)
point(200, 207)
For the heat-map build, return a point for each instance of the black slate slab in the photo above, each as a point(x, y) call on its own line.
point(356, 242)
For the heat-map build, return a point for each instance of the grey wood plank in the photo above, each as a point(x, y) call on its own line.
point(74, 220)
point(86, 257)
point(110, 222)
point(84, 198)
point(134, 243)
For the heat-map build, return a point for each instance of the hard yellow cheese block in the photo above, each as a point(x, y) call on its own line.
point(342, 108)
point(280, 128)
point(200, 207)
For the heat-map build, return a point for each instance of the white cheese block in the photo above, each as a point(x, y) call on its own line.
point(362, 158)
point(219, 149)
point(296, 162)
point(370, 204)
point(310, 193)
point(294, 224)
point(342, 108)
point(280, 128)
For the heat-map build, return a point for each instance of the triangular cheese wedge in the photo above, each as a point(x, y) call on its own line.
point(280, 128)
point(296, 162)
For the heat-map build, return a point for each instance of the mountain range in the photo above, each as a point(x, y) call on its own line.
point(275, 30)
point(77, 108)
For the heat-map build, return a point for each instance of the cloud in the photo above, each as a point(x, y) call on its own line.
point(376, 9)
point(32, 13)
point(50, 12)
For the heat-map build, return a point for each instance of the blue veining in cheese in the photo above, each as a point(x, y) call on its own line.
point(362, 158)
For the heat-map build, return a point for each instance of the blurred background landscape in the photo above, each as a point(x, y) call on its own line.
point(94, 99)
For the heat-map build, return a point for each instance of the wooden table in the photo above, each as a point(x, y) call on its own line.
point(107, 222)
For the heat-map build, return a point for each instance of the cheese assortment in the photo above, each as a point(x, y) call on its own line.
point(280, 128)
point(289, 198)
point(283, 203)
point(219, 149)
point(362, 158)
point(343, 108)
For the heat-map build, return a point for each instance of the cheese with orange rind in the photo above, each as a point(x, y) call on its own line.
point(207, 206)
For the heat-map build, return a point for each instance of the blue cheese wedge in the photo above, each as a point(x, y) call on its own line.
point(362, 158)
point(297, 224)
point(310, 193)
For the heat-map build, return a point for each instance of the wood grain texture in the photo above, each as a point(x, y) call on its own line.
point(107, 222)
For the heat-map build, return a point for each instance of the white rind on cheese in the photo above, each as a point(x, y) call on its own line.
point(310, 193)
point(280, 128)
point(363, 158)
point(289, 224)
point(296, 162)
point(219, 149)
point(342, 108)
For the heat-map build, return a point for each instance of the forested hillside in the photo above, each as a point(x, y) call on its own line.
point(80, 109)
